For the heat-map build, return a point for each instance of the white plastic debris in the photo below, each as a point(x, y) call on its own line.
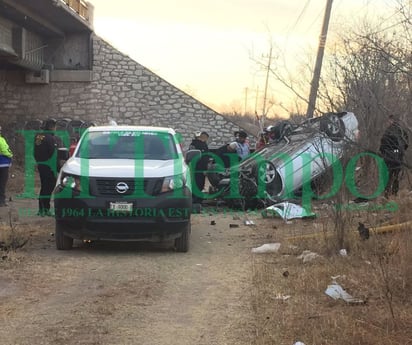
point(343, 252)
point(298, 343)
point(308, 256)
point(282, 297)
point(287, 211)
point(337, 292)
point(249, 222)
point(267, 248)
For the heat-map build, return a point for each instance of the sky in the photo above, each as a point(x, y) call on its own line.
point(217, 50)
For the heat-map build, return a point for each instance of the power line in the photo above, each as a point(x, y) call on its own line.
point(299, 17)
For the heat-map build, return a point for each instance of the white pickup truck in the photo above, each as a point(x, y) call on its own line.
point(124, 183)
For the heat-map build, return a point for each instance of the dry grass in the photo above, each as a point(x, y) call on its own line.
point(11, 236)
point(377, 270)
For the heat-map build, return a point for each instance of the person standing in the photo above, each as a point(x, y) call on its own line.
point(200, 143)
point(241, 145)
point(394, 143)
point(45, 146)
point(5, 162)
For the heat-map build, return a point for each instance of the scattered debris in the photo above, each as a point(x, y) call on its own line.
point(285, 274)
point(249, 222)
point(308, 256)
point(363, 231)
point(337, 292)
point(287, 211)
point(343, 252)
point(233, 225)
point(267, 248)
point(212, 222)
point(282, 297)
point(298, 343)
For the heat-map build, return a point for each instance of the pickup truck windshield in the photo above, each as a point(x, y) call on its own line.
point(123, 144)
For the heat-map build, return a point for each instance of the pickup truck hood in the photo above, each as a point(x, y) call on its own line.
point(126, 168)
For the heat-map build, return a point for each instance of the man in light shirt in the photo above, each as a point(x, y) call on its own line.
point(240, 146)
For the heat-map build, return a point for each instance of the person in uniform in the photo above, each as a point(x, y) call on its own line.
point(45, 146)
point(200, 143)
point(394, 143)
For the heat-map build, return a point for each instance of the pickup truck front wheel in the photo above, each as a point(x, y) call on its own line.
point(63, 242)
point(182, 242)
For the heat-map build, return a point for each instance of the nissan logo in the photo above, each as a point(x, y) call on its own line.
point(122, 187)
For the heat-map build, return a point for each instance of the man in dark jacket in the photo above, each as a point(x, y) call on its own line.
point(394, 143)
point(45, 146)
point(200, 143)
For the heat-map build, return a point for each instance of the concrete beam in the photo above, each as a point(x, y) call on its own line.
point(33, 16)
point(74, 76)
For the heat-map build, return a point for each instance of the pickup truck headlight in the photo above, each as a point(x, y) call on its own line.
point(71, 181)
point(173, 182)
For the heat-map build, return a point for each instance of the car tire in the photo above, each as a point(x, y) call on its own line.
point(182, 242)
point(63, 242)
point(333, 126)
point(268, 171)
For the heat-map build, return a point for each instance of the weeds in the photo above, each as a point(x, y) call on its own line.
point(377, 270)
point(11, 238)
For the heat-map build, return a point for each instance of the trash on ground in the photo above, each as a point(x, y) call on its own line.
point(267, 248)
point(343, 252)
point(249, 222)
point(233, 225)
point(308, 256)
point(298, 343)
point(287, 211)
point(363, 231)
point(337, 292)
point(212, 222)
point(282, 297)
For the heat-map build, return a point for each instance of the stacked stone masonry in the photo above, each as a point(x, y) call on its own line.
point(121, 89)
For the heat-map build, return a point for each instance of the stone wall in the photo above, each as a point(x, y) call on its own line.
point(121, 89)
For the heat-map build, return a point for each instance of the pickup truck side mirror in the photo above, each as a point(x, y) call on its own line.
point(191, 154)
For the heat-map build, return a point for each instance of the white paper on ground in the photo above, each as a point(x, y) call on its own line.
point(266, 248)
point(287, 211)
point(337, 292)
point(307, 256)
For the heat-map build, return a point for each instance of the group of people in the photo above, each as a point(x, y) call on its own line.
point(393, 145)
point(240, 147)
point(45, 145)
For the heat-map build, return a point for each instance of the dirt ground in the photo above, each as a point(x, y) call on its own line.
point(217, 293)
point(126, 293)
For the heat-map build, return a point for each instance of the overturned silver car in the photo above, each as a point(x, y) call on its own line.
point(299, 154)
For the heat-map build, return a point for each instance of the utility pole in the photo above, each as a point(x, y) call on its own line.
point(246, 91)
point(266, 84)
point(318, 66)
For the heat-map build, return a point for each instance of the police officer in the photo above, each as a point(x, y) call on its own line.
point(200, 143)
point(394, 143)
point(45, 146)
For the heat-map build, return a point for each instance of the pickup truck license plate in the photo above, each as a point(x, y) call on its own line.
point(121, 206)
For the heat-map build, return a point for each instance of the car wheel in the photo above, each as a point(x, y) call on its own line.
point(333, 126)
point(182, 242)
point(266, 172)
point(63, 242)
